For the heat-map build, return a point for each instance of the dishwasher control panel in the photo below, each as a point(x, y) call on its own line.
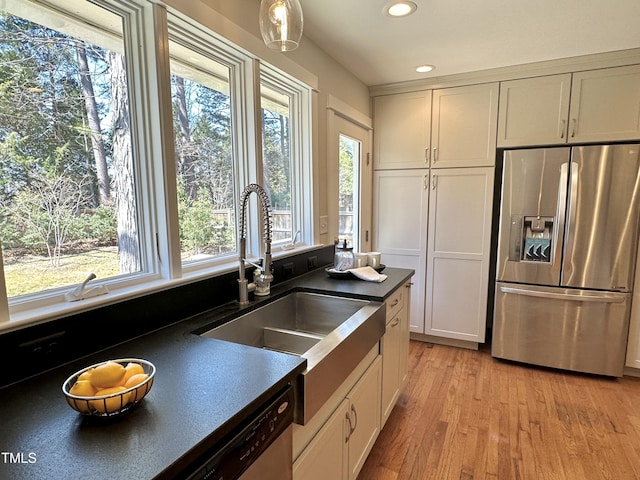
point(240, 449)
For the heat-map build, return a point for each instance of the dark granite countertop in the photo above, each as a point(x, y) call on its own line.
point(203, 389)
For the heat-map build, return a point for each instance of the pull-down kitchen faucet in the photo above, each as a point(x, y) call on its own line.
point(263, 282)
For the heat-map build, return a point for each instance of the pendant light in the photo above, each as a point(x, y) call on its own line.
point(281, 24)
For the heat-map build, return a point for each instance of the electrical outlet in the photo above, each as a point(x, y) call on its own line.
point(287, 270)
point(324, 224)
point(44, 346)
point(312, 262)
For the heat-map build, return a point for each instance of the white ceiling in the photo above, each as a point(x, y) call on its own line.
point(460, 36)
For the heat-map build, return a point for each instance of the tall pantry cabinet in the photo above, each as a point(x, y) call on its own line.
point(434, 156)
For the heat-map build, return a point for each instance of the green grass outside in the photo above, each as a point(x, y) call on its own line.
point(29, 274)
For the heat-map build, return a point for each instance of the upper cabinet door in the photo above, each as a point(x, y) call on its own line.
point(402, 125)
point(464, 122)
point(594, 106)
point(534, 111)
point(605, 105)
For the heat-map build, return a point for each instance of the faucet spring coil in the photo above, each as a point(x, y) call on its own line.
point(265, 204)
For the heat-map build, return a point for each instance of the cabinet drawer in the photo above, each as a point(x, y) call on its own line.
point(395, 303)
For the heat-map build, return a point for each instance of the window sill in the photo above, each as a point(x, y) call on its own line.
point(57, 310)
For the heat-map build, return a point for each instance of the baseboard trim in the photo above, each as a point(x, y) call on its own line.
point(451, 342)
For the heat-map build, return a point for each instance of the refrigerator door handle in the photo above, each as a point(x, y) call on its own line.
point(602, 298)
point(561, 211)
point(570, 237)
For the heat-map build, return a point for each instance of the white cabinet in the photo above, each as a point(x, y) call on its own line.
point(394, 347)
point(463, 132)
point(455, 129)
point(605, 105)
point(592, 106)
point(340, 447)
point(363, 418)
point(534, 111)
point(400, 212)
point(326, 456)
point(460, 212)
point(402, 126)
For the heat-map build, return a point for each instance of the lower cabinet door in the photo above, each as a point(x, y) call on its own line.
point(400, 216)
point(364, 417)
point(325, 458)
point(459, 247)
point(339, 449)
point(391, 357)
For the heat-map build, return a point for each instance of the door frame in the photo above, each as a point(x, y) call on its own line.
point(343, 119)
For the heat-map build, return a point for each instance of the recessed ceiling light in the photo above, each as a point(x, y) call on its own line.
point(424, 68)
point(400, 9)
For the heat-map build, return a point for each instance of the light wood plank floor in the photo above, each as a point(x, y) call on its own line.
point(465, 415)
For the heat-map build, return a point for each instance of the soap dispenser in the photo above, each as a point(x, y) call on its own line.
point(344, 258)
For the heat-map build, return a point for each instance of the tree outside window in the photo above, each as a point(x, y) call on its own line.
point(67, 189)
point(277, 162)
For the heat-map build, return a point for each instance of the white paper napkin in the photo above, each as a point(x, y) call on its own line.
point(368, 274)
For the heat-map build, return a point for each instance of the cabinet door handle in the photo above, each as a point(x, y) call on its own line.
point(426, 155)
point(355, 421)
point(574, 124)
point(435, 154)
point(395, 302)
point(563, 127)
point(395, 322)
point(349, 428)
point(425, 181)
point(434, 182)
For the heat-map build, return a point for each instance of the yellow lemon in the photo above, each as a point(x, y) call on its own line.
point(108, 374)
point(137, 379)
point(111, 404)
point(86, 375)
point(81, 388)
point(131, 369)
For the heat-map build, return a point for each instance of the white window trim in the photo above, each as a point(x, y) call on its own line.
point(190, 35)
point(338, 110)
point(301, 139)
point(138, 23)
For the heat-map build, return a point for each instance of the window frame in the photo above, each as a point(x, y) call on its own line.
point(190, 36)
point(342, 119)
point(300, 140)
point(143, 146)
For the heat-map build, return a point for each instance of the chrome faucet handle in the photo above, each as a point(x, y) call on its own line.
point(263, 281)
point(252, 264)
point(262, 284)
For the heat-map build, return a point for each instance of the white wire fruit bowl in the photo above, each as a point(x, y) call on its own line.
point(112, 404)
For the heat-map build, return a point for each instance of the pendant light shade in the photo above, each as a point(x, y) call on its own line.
point(281, 24)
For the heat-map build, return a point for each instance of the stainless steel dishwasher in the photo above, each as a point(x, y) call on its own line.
point(260, 449)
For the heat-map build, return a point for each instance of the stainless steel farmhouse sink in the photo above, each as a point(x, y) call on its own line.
point(333, 333)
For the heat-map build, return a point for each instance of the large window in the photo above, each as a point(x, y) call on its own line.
point(205, 162)
point(95, 178)
point(67, 190)
point(283, 108)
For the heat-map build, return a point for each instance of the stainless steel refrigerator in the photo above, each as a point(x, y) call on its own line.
point(567, 244)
